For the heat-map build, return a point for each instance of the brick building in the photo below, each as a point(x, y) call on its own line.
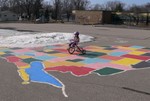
point(92, 17)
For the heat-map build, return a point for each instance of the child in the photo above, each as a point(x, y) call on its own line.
point(76, 40)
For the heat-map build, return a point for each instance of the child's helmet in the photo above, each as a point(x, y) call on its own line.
point(76, 33)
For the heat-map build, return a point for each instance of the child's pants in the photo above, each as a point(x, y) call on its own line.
point(72, 44)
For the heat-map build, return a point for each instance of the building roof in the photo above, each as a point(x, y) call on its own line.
point(5, 12)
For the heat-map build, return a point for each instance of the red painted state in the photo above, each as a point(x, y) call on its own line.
point(13, 59)
point(61, 50)
point(137, 57)
point(143, 50)
point(78, 71)
point(111, 57)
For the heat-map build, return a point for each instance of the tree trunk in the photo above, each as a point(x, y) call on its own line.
point(147, 19)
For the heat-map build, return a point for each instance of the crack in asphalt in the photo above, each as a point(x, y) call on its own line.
point(147, 38)
point(137, 91)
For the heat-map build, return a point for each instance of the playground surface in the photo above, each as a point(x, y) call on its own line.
point(115, 68)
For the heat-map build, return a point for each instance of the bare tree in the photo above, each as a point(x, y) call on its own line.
point(57, 9)
point(15, 6)
point(147, 7)
point(136, 10)
point(80, 4)
point(67, 8)
point(98, 7)
point(114, 5)
point(37, 8)
point(4, 5)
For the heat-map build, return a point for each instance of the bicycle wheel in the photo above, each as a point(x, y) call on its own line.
point(71, 50)
point(83, 51)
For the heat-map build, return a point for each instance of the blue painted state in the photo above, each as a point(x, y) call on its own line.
point(117, 53)
point(138, 47)
point(30, 53)
point(45, 57)
point(5, 50)
point(37, 74)
point(94, 60)
point(49, 47)
point(17, 54)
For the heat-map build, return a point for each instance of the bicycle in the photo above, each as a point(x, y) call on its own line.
point(74, 48)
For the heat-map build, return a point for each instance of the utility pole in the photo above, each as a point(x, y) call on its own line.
point(147, 19)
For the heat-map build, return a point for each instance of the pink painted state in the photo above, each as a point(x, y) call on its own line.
point(20, 64)
point(61, 50)
point(103, 65)
point(39, 53)
point(13, 59)
point(36, 48)
point(59, 45)
point(122, 50)
point(66, 58)
point(78, 71)
point(22, 50)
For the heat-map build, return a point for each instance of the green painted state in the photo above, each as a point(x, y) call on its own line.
point(76, 60)
point(15, 48)
point(52, 52)
point(8, 52)
point(90, 54)
point(29, 60)
point(108, 71)
point(106, 46)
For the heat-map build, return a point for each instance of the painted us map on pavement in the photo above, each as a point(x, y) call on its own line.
point(33, 63)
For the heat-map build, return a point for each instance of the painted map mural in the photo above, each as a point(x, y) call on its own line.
point(33, 63)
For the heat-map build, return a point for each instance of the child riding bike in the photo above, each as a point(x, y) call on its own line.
point(73, 46)
point(76, 39)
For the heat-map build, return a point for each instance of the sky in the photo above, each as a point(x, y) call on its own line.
point(128, 2)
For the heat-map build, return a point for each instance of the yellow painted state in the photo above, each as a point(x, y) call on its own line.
point(127, 61)
point(64, 63)
point(127, 48)
point(137, 53)
point(24, 56)
point(63, 47)
point(48, 50)
point(24, 76)
point(60, 55)
point(24, 67)
point(47, 64)
point(100, 50)
point(2, 53)
point(104, 51)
